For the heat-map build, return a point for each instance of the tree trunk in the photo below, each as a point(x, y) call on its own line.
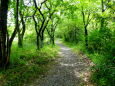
point(16, 25)
point(4, 39)
point(102, 19)
point(20, 40)
point(86, 23)
point(38, 42)
point(53, 41)
point(53, 38)
point(42, 39)
point(38, 38)
point(86, 37)
point(22, 32)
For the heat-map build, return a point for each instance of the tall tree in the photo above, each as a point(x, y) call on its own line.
point(5, 41)
point(86, 22)
point(43, 20)
point(22, 25)
point(52, 28)
point(4, 38)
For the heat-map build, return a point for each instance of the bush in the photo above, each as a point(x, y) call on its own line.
point(27, 64)
point(104, 75)
point(102, 42)
point(72, 33)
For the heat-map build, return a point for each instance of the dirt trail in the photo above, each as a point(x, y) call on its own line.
point(70, 70)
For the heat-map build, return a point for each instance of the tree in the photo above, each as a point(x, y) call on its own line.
point(86, 22)
point(4, 38)
point(86, 11)
point(42, 22)
point(23, 18)
point(5, 41)
point(51, 29)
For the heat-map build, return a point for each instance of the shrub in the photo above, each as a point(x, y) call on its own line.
point(102, 42)
point(104, 75)
point(72, 33)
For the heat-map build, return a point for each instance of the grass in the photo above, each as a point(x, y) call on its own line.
point(27, 64)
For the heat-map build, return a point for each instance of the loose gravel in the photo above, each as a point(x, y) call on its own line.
point(69, 70)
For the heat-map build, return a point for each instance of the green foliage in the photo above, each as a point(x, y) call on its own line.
point(101, 52)
point(104, 75)
point(102, 41)
point(101, 44)
point(78, 48)
point(71, 32)
point(27, 64)
point(103, 72)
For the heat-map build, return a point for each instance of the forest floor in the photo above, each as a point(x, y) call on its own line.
point(70, 70)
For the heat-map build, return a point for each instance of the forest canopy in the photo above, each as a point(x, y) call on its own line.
point(28, 26)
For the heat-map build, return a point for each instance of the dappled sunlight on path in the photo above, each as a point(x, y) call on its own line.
point(70, 70)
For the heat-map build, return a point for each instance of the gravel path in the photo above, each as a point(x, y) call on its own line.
point(70, 70)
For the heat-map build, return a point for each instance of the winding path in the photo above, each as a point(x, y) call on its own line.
point(70, 70)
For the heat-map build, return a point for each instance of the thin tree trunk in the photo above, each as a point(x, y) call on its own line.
point(102, 19)
point(21, 33)
point(86, 23)
point(38, 38)
point(16, 25)
point(86, 37)
point(20, 38)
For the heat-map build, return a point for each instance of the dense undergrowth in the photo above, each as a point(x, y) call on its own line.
point(103, 71)
point(101, 51)
point(27, 64)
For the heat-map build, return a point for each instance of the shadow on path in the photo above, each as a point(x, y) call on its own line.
point(69, 70)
